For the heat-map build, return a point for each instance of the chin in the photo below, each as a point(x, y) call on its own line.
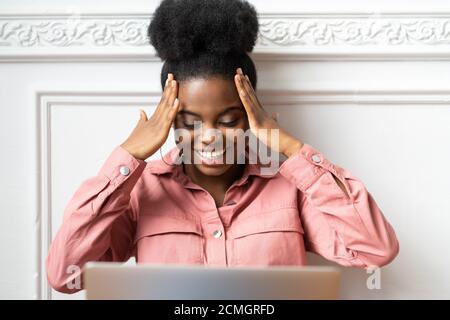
point(216, 170)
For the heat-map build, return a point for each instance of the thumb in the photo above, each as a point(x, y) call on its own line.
point(143, 115)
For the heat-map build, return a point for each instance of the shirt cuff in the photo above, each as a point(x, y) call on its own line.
point(305, 167)
point(120, 166)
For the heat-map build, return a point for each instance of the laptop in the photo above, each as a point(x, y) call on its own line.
point(112, 280)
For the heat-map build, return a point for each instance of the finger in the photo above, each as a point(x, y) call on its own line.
point(248, 86)
point(169, 77)
point(170, 100)
point(244, 96)
point(174, 110)
point(167, 90)
point(173, 93)
point(247, 83)
point(241, 89)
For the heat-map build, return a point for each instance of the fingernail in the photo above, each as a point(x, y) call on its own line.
point(240, 71)
point(247, 77)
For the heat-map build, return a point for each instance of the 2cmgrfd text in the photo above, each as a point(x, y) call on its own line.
point(224, 309)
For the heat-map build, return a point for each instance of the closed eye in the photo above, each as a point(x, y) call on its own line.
point(229, 123)
point(189, 125)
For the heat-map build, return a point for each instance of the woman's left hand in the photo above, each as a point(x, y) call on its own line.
point(259, 119)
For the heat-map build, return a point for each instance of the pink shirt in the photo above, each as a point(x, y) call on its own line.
point(154, 212)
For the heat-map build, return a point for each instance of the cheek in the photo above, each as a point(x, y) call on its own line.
point(238, 130)
point(183, 138)
point(245, 124)
point(237, 139)
point(230, 137)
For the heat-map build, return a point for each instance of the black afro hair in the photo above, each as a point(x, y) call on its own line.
point(200, 38)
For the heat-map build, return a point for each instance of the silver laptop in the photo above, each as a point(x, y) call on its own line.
point(105, 280)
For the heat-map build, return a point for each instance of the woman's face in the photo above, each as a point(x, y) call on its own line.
point(215, 104)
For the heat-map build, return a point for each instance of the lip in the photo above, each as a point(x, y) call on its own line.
point(210, 158)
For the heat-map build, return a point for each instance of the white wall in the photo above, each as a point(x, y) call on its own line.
point(367, 84)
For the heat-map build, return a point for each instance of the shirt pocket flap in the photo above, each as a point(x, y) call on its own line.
point(149, 225)
point(282, 220)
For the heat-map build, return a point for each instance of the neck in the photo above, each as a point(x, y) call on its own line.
point(214, 183)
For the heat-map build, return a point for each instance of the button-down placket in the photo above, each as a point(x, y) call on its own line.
point(215, 242)
point(215, 248)
point(215, 221)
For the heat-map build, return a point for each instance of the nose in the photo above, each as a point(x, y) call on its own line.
point(210, 135)
point(207, 140)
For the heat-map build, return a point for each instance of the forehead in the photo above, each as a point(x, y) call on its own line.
point(212, 95)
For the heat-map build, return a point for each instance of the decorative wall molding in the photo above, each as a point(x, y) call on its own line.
point(293, 36)
point(354, 30)
point(73, 31)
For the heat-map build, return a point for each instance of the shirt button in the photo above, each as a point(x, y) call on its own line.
point(217, 233)
point(124, 170)
point(316, 158)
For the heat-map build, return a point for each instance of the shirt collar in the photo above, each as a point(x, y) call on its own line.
point(171, 164)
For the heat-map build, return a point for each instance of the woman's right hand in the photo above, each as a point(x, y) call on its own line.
point(150, 134)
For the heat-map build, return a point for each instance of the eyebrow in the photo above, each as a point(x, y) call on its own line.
point(220, 114)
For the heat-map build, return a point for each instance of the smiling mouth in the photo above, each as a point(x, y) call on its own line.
point(210, 155)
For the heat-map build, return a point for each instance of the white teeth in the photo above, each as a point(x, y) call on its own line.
point(211, 155)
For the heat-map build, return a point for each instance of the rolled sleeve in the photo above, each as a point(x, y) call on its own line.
point(307, 165)
point(121, 168)
point(346, 227)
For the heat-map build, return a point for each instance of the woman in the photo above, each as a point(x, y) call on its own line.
point(206, 210)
